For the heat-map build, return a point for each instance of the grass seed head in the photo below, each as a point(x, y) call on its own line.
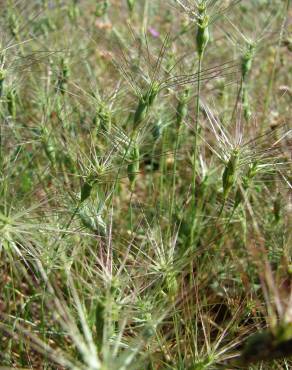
point(229, 174)
point(14, 24)
point(141, 112)
point(131, 4)
point(171, 284)
point(102, 119)
point(145, 103)
point(50, 151)
point(85, 191)
point(246, 182)
point(238, 197)
point(101, 8)
point(73, 12)
point(153, 91)
point(11, 103)
point(203, 34)
point(92, 221)
point(202, 38)
point(246, 62)
point(251, 173)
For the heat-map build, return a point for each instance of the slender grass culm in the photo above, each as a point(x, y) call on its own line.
point(202, 39)
point(181, 115)
point(203, 13)
point(2, 79)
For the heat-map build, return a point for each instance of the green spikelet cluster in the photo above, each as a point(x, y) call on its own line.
point(102, 119)
point(203, 34)
point(246, 61)
point(131, 5)
point(101, 8)
point(11, 103)
point(246, 183)
point(229, 174)
point(145, 103)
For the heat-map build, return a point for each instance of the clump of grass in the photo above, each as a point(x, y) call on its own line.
point(200, 13)
point(139, 231)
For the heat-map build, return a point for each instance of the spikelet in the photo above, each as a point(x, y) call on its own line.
point(229, 174)
point(246, 181)
point(246, 61)
point(11, 103)
point(145, 103)
point(14, 24)
point(203, 34)
point(131, 4)
point(101, 8)
point(102, 119)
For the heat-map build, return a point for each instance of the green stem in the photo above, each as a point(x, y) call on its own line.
point(173, 197)
point(162, 171)
point(221, 208)
point(131, 210)
point(195, 153)
point(67, 226)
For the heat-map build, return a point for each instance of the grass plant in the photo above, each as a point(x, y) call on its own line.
point(145, 193)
